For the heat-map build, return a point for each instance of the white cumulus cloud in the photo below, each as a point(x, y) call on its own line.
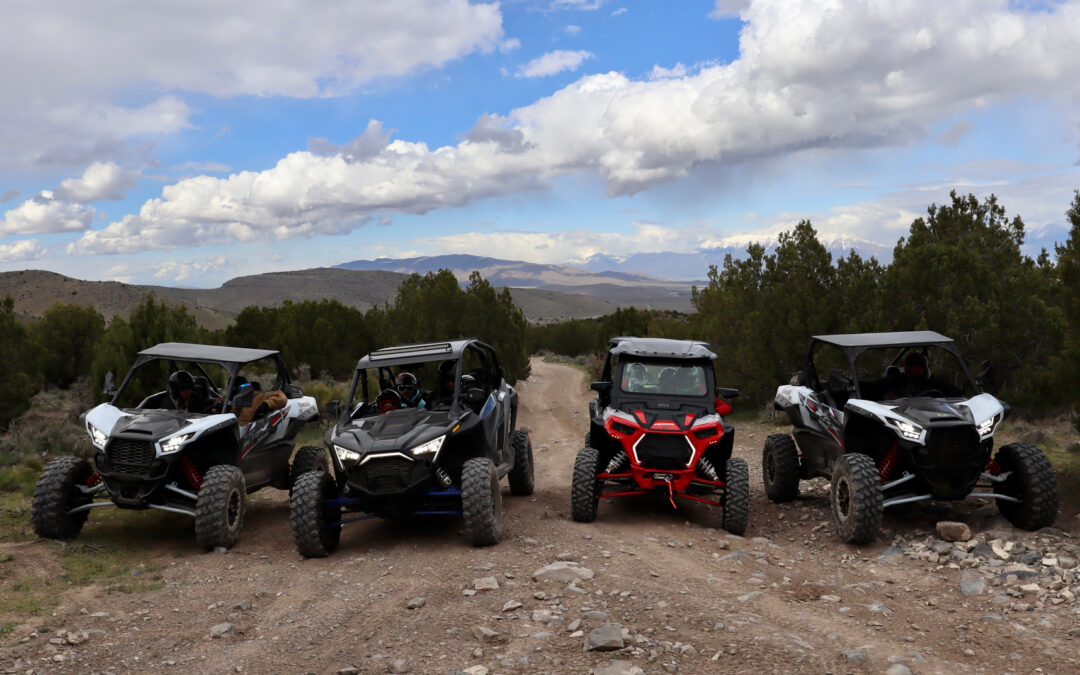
point(100, 181)
point(554, 62)
point(27, 249)
point(44, 214)
point(808, 77)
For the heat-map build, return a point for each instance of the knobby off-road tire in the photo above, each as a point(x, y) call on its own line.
point(309, 515)
point(57, 492)
point(1032, 482)
point(736, 495)
point(780, 468)
point(585, 489)
point(481, 502)
point(856, 498)
point(521, 477)
point(308, 458)
point(219, 509)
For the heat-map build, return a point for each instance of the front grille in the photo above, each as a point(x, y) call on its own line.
point(128, 456)
point(663, 451)
point(387, 475)
point(953, 448)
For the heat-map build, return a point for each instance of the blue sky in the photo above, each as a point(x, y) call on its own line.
point(192, 144)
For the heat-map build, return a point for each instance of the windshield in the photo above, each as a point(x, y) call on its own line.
point(149, 384)
point(425, 384)
point(677, 378)
point(887, 374)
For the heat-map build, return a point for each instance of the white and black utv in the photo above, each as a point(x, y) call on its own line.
point(439, 448)
point(200, 461)
point(886, 430)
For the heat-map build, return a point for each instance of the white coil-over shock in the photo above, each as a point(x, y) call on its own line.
point(617, 462)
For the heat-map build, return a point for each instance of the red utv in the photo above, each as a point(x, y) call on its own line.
point(657, 425)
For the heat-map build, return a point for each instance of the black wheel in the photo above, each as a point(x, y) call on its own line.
point(56, 493)
point(585, 490)
point(309, 515)
point(219, 509)
point(1032, 481)
point(780, 468)
point(308, 458)
point(856, 498)
point(521, 476)
point(481, 502)
point(736, 495)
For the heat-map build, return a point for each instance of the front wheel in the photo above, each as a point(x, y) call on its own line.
point(309, 515)
point(481, 502)
point(521, 477)
point(1032, 481)
point(585, 490)
point(57, 492)
point(219, 508)
point(780, 468)
point(736, 495)
point(308, 458)
point(856, 498)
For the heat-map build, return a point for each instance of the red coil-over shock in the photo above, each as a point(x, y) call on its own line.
point(993, 468)
point(93, 479)
point(191, 472)
point(889, 461)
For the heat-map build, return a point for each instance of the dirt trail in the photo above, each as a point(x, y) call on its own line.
point(787, 598)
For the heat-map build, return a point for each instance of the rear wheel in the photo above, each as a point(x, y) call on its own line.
point(309, 515)
point(521, 476)
point(1032, 481)
point(780, 468)
point(856, 498)
point(308, 458)
point(585, 489)
point(219, 508)
point(736, 495)
point(57, 492)
point(481, 502)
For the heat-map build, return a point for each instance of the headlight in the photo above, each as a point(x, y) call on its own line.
point(986, 427)
point(97, 436)
point(346, 455)
point(906, 429)
point(174, 443)
point(429, 448)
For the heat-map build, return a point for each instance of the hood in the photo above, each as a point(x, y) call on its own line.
point(154, 424)
point(932, 411)
point(396, 430)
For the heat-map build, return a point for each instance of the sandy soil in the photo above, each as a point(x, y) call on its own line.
point(786, 598)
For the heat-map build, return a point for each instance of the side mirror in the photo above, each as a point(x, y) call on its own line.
point(475, 396)
point(985, 371)
point(601, 387)
point(333, 408)
point(726, 392)
point(802, 379)
point(293, 391)
point(110, 385)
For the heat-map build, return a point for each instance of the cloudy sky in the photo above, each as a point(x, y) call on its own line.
point(190, 143)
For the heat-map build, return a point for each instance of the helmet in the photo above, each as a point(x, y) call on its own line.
point(387, 400)
point(180, 382)
point(407, 385)
point(688, 381)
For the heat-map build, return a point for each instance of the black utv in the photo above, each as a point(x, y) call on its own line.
point(190, 430)
point(400, 449)
point(898, 418)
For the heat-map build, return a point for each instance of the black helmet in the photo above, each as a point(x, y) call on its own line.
point(407, 385)
point(180, 381)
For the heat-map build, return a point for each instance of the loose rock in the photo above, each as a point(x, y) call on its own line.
point(563, 571)
point(951, 530)
point(605, 638)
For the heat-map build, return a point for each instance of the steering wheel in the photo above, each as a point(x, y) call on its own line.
point(387, 400)
point(932, 393)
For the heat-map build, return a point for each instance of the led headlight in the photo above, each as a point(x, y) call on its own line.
point(97, 436)
point(346, 455)
point(986, 427)
point(173, 444)
point(429, 448)
point(906, 429)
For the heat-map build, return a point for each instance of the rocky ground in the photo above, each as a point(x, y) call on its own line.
point(643, 589)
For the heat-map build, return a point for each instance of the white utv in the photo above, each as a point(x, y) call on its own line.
point(200, 461)
point(887, 430)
